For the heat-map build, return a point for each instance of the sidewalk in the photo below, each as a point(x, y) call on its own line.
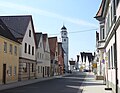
point(90, 85)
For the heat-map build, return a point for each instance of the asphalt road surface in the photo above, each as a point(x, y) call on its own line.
point(66, 84)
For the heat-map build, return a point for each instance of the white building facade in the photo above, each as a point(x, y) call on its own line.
point(39, 55)
point(46, 69)
point(65, 40)
point(109, 14)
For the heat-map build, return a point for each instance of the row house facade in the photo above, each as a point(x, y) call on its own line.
point(60, 58)
point(108, 16)
point(9, 55)
point(23, 30)
point(42, 56)
point(25, 54)
point(53, 55)
point(39, 55)
point(47, 63)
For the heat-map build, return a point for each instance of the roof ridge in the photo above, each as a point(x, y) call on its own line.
point(17, 16)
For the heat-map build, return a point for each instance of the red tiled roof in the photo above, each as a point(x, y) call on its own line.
point(99, 13)
point(52, 45)
point(44, 40)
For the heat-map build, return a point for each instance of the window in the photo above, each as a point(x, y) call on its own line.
point(109, 59)
point(114, 54)
point(32, 50)
point(56, 53)
point(29, 49)
point(40, 44)
point(29, 33)
point(15, 70)
point(40, 56)
point(10, 71)
point(0, 46)
point(25, 48)
point(5, 47)
point(108, 21)
point(64, 33)
point(45, 70)
point(64, 39)
point(41, 69)
point(32, 67)
point(117, 1)
point(102, 33)
point(112, 12)
point(107, 24)
point(10, 49)
point(38, 69)
point(15, 50)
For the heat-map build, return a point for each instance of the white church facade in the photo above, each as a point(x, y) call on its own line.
point(65, 39)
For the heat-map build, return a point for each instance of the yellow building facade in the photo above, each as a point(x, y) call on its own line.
point(9, 60)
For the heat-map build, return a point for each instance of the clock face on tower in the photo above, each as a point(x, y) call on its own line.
point(64, 34)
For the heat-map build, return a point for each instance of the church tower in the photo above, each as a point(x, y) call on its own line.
point(64, 37)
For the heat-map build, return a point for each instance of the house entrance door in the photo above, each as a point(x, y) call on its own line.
point(4, 73)
point(43, 71)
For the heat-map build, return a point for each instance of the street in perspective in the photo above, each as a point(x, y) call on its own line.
point(77, 82)
point(62, 46)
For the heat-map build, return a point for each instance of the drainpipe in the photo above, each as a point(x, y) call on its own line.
point(116, 72)
point(116, 69)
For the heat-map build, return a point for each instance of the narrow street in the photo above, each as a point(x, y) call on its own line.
point(66, 84)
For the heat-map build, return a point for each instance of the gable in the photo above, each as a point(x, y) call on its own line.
point(29, 36)
point(17, 24)
point(53, 44)
point(38, 37)
point(47, 45)
point(5, 32)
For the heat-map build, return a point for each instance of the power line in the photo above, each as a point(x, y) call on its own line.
point(82, 31)
point(88, 30)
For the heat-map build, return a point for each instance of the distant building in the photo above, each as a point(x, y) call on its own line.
point(40, 55)
point(72, 65)
point(46, 68)
point(53, 55)
point(65, 40)
point(86, 60)
point(60, 58)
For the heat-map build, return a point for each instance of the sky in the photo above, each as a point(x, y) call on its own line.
point(50, 15)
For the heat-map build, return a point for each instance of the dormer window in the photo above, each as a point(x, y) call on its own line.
point(29, 33)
